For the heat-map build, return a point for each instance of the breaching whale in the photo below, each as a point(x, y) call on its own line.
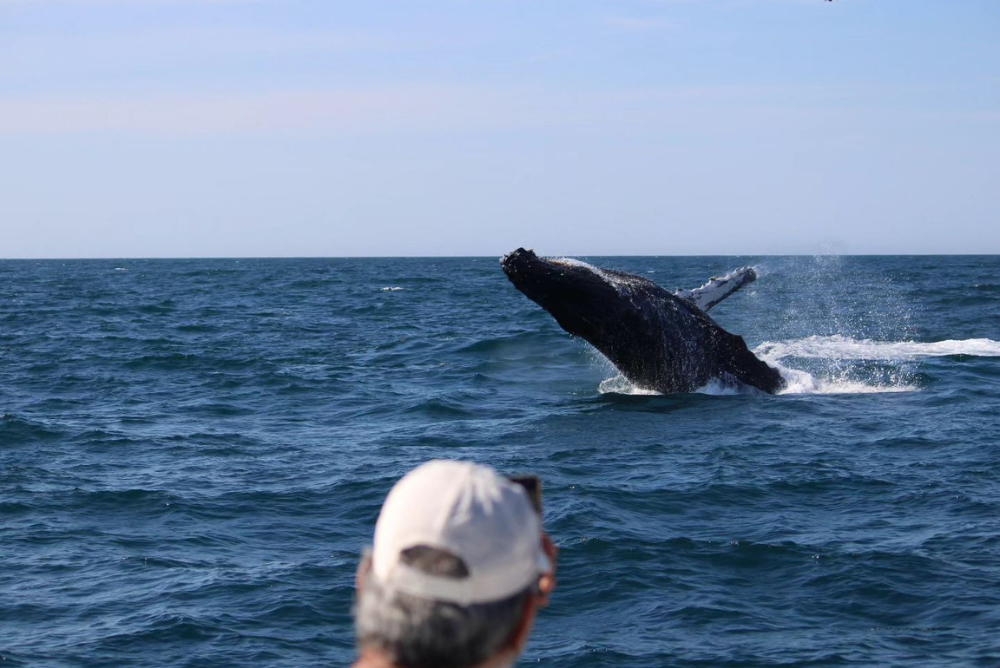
point(658, 340)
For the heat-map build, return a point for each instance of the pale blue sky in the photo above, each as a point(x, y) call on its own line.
point(173, 128)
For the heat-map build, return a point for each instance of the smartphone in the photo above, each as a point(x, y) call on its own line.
point(533, 486)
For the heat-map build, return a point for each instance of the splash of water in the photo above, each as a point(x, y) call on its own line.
point(890, 363)
point(802, 382)
point(621, 385)
point(838, 380)
point(838, 349)
point(844, 348)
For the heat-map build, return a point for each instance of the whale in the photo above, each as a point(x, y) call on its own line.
point(659, 340)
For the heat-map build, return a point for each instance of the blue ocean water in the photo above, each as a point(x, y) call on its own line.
point(193, 454)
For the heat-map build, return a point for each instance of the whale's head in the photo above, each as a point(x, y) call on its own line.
point(584, 300)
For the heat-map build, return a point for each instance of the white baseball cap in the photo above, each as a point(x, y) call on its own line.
point(471, 512)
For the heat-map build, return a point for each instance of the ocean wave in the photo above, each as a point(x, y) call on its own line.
point(16, 429)
point(694, 529)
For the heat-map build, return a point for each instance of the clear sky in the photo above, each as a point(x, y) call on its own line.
point(174, 128)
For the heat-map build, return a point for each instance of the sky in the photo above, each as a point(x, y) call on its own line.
point(259, 128)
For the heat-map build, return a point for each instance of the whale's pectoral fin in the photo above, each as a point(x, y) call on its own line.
point(718, 288)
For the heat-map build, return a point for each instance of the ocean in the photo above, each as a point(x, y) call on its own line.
point(193, 454)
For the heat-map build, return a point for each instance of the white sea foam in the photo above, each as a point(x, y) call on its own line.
point(803, 382)
point(391, 289)
point(843, 348)
point(798, 382)
point(834, 349)
point(621, 385)
point(718, 388)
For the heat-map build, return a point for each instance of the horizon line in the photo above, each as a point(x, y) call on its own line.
point(470, 257)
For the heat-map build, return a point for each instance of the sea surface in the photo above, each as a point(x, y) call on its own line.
point(193, 454)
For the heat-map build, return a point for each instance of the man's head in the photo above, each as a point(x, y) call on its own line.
point(457, 570)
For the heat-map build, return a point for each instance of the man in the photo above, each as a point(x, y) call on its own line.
point(459, 568)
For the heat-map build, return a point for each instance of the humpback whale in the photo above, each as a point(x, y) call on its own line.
point(658, 340)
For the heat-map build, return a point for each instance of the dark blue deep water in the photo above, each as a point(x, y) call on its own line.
point(193, 454)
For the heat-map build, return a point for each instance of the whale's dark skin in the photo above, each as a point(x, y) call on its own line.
point(657, 340)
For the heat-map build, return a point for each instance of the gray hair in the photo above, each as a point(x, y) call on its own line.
point(422, 633)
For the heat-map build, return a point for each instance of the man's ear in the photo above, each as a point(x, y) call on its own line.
point(364, 568)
